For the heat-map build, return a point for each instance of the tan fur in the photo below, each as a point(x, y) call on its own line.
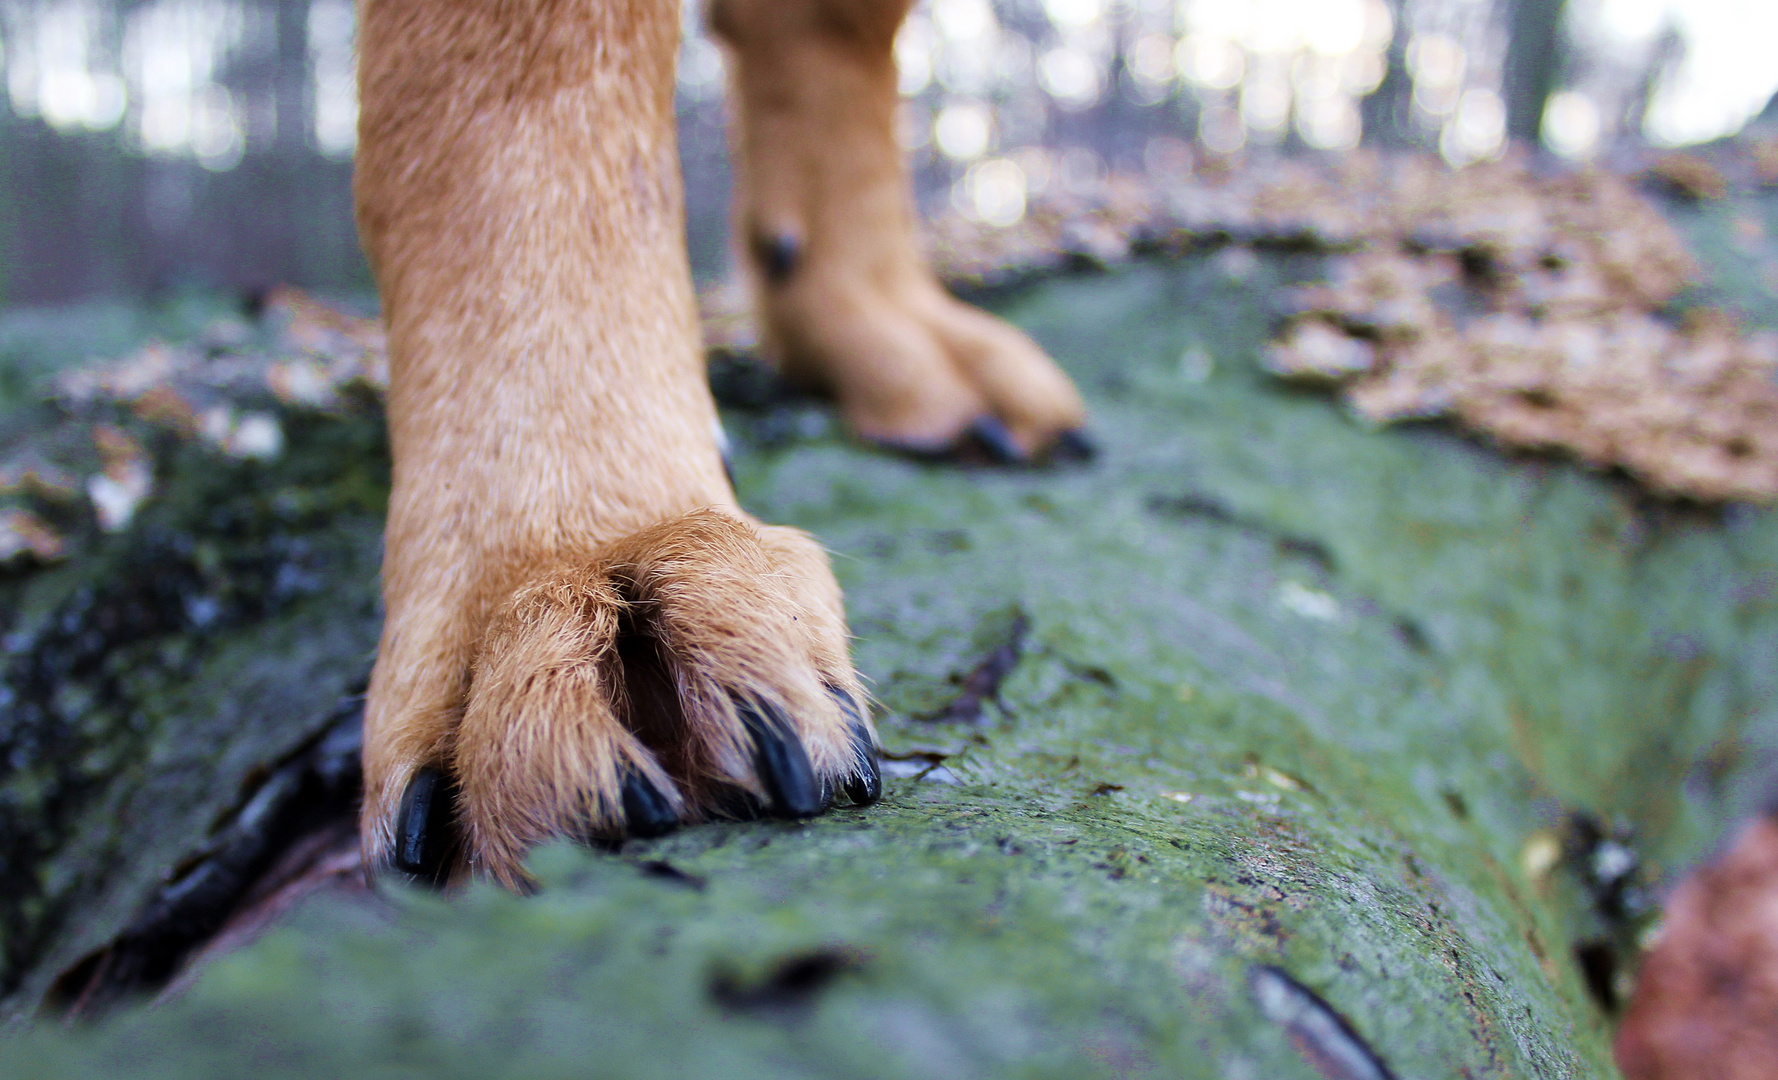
point(813, 88)
point(562, 543)
point(713, 616)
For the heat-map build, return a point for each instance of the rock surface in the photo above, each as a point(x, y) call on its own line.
point(1270, 745)
point(1707, 995)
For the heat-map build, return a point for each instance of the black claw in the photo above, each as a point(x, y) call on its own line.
point(424, 843)
point(865, 786)
point(782, 763)
point(990, 437)
point(986, 441)
point(646, 811)
point(1075, 445)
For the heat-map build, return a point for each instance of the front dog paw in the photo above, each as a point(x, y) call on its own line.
point(695, 669)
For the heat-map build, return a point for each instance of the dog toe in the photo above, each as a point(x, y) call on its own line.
point(695, 669)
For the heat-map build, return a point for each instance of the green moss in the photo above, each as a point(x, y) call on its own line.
point(151, 679)
point(1290, 691)
point(1732, 238)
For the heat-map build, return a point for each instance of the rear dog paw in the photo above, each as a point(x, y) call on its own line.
point(1032, 411)
point(693, 670)
point(845, 299)
point(920, 373)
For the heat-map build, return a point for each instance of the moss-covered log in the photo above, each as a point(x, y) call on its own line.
point(1269, 745)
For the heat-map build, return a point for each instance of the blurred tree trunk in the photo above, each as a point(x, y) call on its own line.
point(1663, 57)
point(291, 78)
point(1384, 111)
point(1534, 52)
point(1768, 116)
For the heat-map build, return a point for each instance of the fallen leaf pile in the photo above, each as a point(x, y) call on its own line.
point(226, 388)
point(307, 353)
point(1541, 311)
point(1747, 163)
point(1690, 175)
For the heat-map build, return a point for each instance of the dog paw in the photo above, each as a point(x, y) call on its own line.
point(846, 301)
point(922, 373)
point(693, 670)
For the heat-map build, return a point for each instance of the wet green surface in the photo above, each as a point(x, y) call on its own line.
point(1292, 692)
point(150, 680)
point(1737, 241)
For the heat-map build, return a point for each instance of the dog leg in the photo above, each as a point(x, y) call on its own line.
point(823, 204)
point(585, 636)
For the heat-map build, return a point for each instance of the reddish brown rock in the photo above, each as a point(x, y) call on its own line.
point(1706, 1003)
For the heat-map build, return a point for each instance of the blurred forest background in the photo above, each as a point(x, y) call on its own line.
point(157, 148)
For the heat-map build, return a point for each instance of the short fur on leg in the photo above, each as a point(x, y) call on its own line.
point(579, 618)
point(826, 211)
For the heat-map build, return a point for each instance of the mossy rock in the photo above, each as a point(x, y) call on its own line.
point(1262, 740)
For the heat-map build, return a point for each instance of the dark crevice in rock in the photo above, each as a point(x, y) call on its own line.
point(90, 659)
point(1091, 673)
point(1598, 964)
point(1322, 1036)
point(762, 408)
point(1609, 867)
point(1412, 635)
point(981, 684)
point(111, 661)
point(662, 870)
point(1656, 519)
point(1200, 507)
point(789, 988)
point(1612, 879)
point(1197, 506)
point(915, 765)
point(743, 380)
point(314, 792)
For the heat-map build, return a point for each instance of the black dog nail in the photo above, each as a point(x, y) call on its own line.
point(1075, 445)
point(994, 440)
point(782, 763)
point(866, 785)
point(646, 811)
point(423, 839)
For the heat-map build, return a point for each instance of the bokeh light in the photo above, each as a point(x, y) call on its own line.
point(984, 79)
